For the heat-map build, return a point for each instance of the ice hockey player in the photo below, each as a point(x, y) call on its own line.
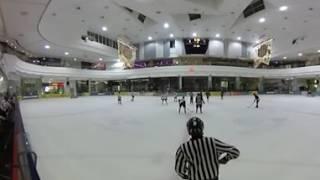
point(175, 98)
point(191, 97)
point(182, 103)
point(199, 102)
point(199, 158)
point(119, 99)
point(164, 99)
point(132, 97)
point(256, 99)
point(208, 96)
point(201, 94)
point(222, 94)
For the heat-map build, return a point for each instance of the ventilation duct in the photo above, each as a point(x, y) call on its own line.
point(141, 18)
point(193, 17)
point(254, 7)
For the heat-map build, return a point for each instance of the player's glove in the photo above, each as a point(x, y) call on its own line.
point(224, 160)
point(185, 177)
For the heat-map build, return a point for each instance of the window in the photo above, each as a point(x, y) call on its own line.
point(172, 44)
point(96, 37)
point(102, 39)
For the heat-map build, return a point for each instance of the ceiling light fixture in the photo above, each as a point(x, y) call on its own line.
point(300, 54)
point(171, 35)
point(285, 57)
point(104, 28)
point(319, 51)
point(283, 8)
point(194, 34)
point(239, 38)
point(47, 46)
point(100, 59)
point(166, 25)
point(149, 38)
point(262, 20)
point(217, 35)
point(66, 53)
point(75, 59)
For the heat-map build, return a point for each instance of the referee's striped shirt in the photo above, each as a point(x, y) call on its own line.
point(199, 159)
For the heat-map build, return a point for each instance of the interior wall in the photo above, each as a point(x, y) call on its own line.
point(150, 50)
point(141, 51)
point(178, 50)
point(159, 48)
point(166, 49)
point(217, 48)
point(234, 50)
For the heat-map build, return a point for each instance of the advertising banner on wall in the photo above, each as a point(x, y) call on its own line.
point(263, 53)
point(126, 53)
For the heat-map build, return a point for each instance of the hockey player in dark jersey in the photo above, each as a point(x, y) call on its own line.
point(200, 157)
point(222, 94)
point(199, 102)
point(191, 97)
point(119, 99)
point(256, 99)
point(182, 103)
point(208, 96)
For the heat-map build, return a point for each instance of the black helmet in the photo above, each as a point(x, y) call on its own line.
point(195, 127)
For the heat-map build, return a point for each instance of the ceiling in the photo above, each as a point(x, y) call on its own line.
point(60, 24)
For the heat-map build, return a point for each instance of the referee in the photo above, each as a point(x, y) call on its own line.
point(199, 158)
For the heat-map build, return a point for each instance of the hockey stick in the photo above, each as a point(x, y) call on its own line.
point(189, 112)
point(251, 104)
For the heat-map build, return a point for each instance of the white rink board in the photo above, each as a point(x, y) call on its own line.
point(95, 138)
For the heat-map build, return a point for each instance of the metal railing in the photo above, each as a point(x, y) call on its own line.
point(24, 159)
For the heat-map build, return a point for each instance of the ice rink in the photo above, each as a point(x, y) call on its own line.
point(94, 138)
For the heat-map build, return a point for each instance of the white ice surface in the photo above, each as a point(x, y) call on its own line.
point(94, 138)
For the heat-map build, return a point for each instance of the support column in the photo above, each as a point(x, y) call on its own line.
point(89, 87)
point(294, 86)
point(180, 83)
point(146, 86)
point(226, 47)
point(260, 85)
point(131, 85)
point(67, 87)
point(73, 88)
point(96, 86)
point(210, 82)
point(39, 86)
point(317, 87)
point(238, 83)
